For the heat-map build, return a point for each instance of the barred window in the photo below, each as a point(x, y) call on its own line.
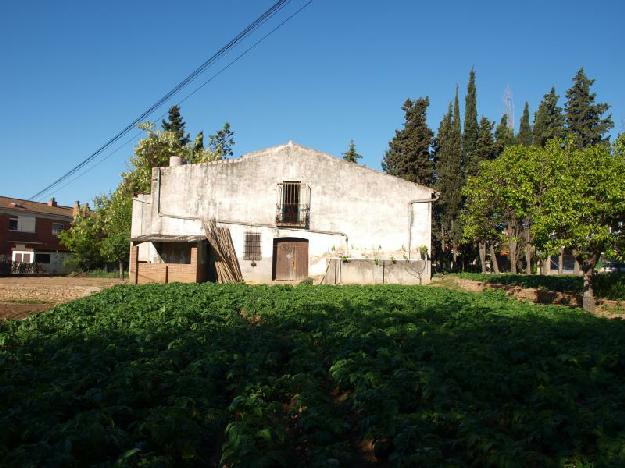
point(252, 246)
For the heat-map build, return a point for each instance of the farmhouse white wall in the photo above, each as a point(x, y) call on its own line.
point(354, 211)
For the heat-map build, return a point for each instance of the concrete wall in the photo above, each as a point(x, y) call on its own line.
point(354, 211)
point(376, 271)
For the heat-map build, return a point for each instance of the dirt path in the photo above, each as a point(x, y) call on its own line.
point(22, 296)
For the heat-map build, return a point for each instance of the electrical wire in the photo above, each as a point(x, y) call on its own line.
point(211, 78)
point(268, 14)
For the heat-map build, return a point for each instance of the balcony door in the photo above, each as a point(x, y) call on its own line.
point(293, 204)
point(290, 202)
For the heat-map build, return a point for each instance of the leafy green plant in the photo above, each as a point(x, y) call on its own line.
point(237, 375)
point(423, 251)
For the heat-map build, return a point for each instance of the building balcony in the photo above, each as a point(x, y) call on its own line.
point(293, 215)
point(293, 205)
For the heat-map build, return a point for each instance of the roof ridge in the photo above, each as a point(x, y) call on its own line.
point(38, 203)
point(291, 144)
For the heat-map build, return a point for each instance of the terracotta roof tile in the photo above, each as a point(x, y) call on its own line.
point(18, 204)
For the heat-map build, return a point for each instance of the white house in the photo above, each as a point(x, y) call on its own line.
point(292, 212)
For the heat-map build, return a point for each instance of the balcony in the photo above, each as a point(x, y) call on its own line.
point(293, 205)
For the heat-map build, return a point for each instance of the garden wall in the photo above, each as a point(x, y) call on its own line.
point(372, 271)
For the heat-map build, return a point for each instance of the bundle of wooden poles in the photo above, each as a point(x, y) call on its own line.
point(226, 263)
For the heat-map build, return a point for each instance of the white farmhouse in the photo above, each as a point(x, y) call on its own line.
point(291, 212)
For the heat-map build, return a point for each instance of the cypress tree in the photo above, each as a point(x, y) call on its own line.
point(444, 181)
point(584, 117)
point(351, 155)
point(548, 120)
point(525, 130)
point(504, 136)
point(456, 133)
point(176, 124)
point(408, 155)
point(485, 149)
point(470, 122)
point(450, 178)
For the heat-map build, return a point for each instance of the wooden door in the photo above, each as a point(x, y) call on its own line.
point(290, 259)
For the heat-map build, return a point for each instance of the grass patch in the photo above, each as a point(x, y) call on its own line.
point(242, 375)
point(608, 286)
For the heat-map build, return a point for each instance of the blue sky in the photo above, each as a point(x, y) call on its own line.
point(74, 73)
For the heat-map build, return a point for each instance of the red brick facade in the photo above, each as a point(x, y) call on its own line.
point(42, 239)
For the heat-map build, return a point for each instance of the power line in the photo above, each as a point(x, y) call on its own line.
point(275, 8)
point(212, 77)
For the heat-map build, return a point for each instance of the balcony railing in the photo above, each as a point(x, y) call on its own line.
point(293, 206)
point(289, 215)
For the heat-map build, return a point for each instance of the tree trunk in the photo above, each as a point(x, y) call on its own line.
point(121, 270)
point(561, 261)
point(576, 264)
point(493, 258)
point(482, 252)
point(528, 259)
point(513, 257)
point(454, 253)
point(528, 251)
point(588, 267)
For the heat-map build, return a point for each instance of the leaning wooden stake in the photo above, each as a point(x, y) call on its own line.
point(226, 262)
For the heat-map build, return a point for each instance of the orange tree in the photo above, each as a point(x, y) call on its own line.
point(583, 205)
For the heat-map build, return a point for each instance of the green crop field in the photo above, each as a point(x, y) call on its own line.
point(235, 375)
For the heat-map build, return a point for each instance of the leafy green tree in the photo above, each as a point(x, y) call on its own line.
point(82, 239)
point(408, 155)
point(351, 154)
point(619, 145)
point(113, 216)
point(525, 130)
point(485, 150)
point(584, 118)
point(220, 144)
point(471, 129)
point(504, 135)
point(176, 125)
point(502, 197)
point(481, 221)
point(152, 151)
point(548, 120)
point(581, 208)
point(103, 236)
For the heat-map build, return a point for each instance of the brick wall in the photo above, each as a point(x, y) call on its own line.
point(42, 235)
point(142, 273)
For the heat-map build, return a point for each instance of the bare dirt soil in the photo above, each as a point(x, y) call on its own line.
point(23, 296)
